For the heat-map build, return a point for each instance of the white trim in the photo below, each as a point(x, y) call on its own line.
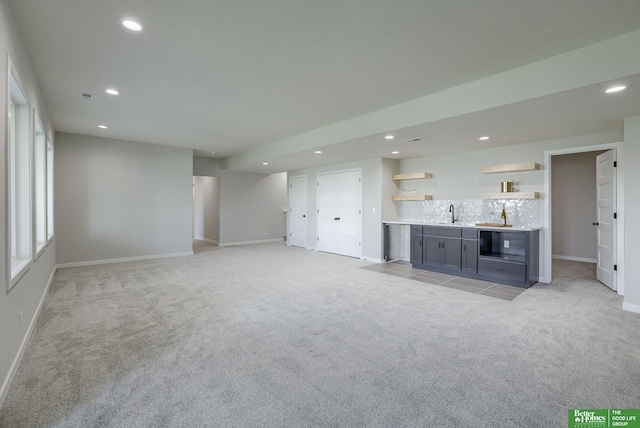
point(545, 251)
point(371, 259)
point(4, 390)
point(574, 259)
point(631, 307)
point(14, 277)
point(124, 259)
point(200, 238)
point(262, 241)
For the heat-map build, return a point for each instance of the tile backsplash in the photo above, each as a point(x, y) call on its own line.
point(520, 212)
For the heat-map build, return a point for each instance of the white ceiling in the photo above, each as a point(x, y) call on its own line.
point(247, 78)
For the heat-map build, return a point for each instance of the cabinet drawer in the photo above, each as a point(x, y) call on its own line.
point(416, 230)
point(502, 269)
point(453, 232)
point(470, 233)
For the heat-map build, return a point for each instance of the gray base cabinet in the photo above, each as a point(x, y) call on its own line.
point(436, 248)
point(442, 253)
point(508, 257)
point(470, 256)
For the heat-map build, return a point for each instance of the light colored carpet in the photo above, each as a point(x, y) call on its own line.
point(274, 336)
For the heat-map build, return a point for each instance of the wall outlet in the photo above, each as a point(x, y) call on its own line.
point(506, 244)
point(265, 233)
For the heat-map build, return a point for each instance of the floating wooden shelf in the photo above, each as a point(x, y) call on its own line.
point(411, 197)
point(514, 167)
point(510, 195)
point(412, 176)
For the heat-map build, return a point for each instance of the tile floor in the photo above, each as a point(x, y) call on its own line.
point(492, 289)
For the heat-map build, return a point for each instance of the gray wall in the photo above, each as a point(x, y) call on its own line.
point(206, 207)
point(631, 213)
point(390, 167)
point(371, 199)
point(120, 199)
point(28, 292)
point(573, 206)
point(250, 204)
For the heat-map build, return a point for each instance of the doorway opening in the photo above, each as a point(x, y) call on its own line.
point(206, 211)
point(575, 238)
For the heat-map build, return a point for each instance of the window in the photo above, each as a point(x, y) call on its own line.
point(19, 180)
point(40, 188)
point(49, 190)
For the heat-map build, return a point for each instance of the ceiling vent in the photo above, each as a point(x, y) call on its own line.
point(413, 140)
point(86, 96)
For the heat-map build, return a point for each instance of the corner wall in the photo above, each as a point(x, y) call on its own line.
point(632, 214)
point(120, 199)
point(28, 294)
point(250, 203)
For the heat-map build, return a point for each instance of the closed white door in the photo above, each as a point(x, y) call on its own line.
point(297, 219)
point(605, 223)
point(339, 213)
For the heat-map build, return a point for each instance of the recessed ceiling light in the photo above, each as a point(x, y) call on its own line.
point(616, 88)
point(265, 163)
point(483, 138)
point(132, 24)
point(103, 127)
point(395, 152)
point(318, 152)
point(389, 137)
point(112, 91)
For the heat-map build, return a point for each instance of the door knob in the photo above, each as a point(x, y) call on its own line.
point(304, 215)
point(336, 218)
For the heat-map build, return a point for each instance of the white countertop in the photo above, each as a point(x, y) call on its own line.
point(466, 225)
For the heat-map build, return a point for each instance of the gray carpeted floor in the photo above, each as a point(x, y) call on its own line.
point(274, 336)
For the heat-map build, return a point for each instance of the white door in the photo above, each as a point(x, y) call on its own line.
point(605, 223)
point(339, 213)
point(297, 220)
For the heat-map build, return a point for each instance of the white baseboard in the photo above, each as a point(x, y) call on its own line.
point(4, 390)
point(200, 238)
point(262, 241)
point(574, 259)
point(371, 259)
point(124, 259)
point(631, 307)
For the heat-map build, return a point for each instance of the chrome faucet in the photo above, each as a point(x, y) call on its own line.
point(452, 211)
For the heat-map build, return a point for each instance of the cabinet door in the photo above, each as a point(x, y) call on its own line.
point(416, 249)
point(470, 255)
point(451, 249)
point(432, 255)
